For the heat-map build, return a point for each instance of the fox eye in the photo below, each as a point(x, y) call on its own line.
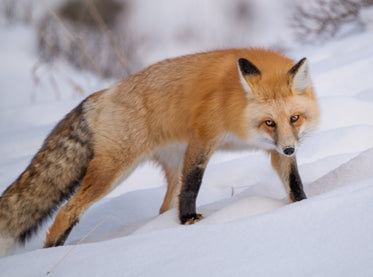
point(270, 123)
point(294, 118)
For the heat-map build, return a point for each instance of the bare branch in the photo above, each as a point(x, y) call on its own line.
point(324, 18)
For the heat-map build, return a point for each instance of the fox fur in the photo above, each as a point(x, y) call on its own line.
point(177, 113)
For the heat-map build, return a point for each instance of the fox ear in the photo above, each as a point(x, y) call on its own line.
point(299, 76)
point(248, 73)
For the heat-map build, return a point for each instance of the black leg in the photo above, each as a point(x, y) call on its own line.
point(188, 195)
point(295, 184)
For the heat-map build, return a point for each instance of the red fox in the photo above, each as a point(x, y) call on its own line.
point(177, 113)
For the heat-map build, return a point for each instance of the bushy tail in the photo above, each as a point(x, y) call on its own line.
point(52, 176)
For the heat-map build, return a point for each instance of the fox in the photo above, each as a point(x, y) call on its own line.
point(177, 113)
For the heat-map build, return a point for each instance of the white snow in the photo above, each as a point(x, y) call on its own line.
point(248, 229)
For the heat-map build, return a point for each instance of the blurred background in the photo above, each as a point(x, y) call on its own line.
point(111, 39)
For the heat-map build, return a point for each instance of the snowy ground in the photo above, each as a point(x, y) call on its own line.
point(249, 229)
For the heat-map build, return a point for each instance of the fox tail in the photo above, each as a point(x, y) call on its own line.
point(52, 177)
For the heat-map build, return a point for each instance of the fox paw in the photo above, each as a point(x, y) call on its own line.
point(190, 219)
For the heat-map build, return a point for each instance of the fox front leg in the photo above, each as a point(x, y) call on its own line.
point(195, 161)
point(287, 170)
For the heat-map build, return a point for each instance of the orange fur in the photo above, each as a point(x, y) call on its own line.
point(177, 112)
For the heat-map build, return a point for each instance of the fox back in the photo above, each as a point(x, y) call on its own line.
point(177, 113)
point(207, 92)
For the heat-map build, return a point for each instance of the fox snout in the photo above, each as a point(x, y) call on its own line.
point(287, 144)
point(288, 151)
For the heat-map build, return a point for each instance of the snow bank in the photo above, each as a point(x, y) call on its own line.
point(323, 236)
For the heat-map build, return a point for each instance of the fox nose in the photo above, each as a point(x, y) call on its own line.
point(289, 150)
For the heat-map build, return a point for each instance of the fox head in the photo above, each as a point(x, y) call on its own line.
point(282, 108)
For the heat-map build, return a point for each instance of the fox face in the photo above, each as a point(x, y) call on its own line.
point(282, 109)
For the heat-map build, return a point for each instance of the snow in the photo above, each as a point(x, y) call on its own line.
point(249, 229)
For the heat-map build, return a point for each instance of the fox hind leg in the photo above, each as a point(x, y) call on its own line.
point(97, 182)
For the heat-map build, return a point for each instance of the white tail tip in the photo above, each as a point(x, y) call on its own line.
point(7, 246)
